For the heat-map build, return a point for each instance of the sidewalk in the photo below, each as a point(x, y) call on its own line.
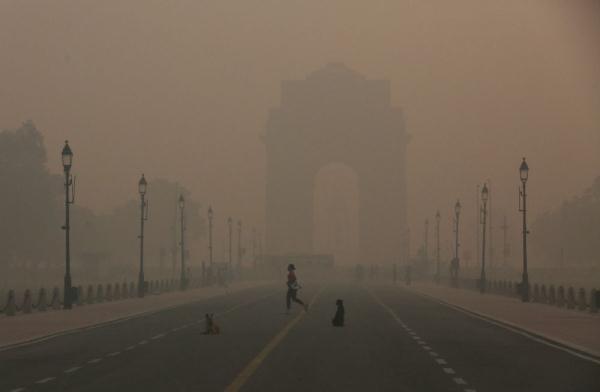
point(40, 325)
point(574, 329)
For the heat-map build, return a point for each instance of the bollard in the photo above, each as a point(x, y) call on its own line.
point(132, 290)
point(11, 306)
point(117, 293)
point(552, 295)
point(99, 293)
point(90, 294)
point(55, 302)
point(570, 298)
point(543, 295)
point(124, 292)
point(560, 296)
point(581, 299)
point(27, 305)
point(108, 293)
point(42, 300)
point(80, 298)
point(594, 297)
point(536, 293)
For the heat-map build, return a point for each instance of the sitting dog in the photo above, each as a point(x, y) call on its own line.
point(212, 328)
point(338, 319)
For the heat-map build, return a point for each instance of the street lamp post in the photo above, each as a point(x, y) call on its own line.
point(438, 218)
point(183, 283)
point(142, 186)
point(67, 162)
point(210, 244)
point(427, 241)
point(484, 199)
point(524, 174)
point(240, 247)
point(456, 260)
point(230, 228)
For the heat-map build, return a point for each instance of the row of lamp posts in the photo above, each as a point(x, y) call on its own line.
point(69, 184)
point(524, 289)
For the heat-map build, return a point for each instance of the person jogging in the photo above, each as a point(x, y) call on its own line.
point(293, 287)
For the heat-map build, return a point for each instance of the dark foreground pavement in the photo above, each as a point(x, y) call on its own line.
point(393, 340)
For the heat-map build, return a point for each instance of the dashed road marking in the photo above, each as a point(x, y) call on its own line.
point(95, 360)
point(113, 354)
point(143, 342)
point(160, 335)
point(129, 348)
point(18, 390)
point(45, 380)
point(440, 361)
point(73, 369)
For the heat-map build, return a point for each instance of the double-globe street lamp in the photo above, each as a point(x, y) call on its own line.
point(484, 199)
point(210, 244)
point(240, 250)
point(183, 283)
point(456, 260)
point(438, 218)
point(524, 174)
point(230, 231)
point(67, 162)
point(142, 187)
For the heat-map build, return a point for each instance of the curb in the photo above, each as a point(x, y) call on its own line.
point(39, 339)
point(571, 348)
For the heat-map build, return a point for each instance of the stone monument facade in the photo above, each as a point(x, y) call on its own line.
point(336, 115)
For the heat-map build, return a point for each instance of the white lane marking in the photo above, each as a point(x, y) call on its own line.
point(460, 381)
point(73, 369)
point(441, 361)
point(113, 354)
point(559, 345)
point(175, 330)
point(129, 348)
point(95, 360)
point(433, 353)
point(428, 349)
point(44, 380)
point(412, 333)
point(416, 337)
point(449, 371)
point(470, 390)
point(18, 390)
point(143, 342)
point(160, 335)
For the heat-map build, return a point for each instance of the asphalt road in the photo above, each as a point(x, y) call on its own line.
point(393, 341)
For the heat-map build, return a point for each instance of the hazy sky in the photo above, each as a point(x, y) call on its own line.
point(182, 89)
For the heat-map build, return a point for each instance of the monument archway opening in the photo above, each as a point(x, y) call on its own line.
point(335, 213)
point(336, 115)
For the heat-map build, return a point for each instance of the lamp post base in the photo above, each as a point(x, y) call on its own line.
point(525, 288)
point(67, 299)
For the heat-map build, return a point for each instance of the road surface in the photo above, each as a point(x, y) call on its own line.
point(394, 340)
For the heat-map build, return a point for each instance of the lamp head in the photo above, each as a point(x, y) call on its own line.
point(67, 156)
point(524, 171)
point(142, 185)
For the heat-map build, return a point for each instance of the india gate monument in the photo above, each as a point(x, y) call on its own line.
point(336, 115)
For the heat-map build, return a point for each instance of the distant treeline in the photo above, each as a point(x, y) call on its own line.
point(569, 236)
point(103, 245)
